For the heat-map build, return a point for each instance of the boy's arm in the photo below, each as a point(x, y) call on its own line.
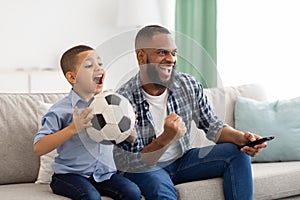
point(52, 141)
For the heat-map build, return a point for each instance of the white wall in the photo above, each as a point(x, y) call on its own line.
point(258, 42)
point(35, 33)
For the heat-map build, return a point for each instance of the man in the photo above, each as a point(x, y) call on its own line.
point(166, 102)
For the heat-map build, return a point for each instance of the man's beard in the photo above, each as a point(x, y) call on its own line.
point(153, 74)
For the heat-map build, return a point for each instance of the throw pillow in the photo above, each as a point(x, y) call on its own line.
point(45, 171)
point(280, 118)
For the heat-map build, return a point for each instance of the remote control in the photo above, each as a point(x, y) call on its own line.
point(259, 141)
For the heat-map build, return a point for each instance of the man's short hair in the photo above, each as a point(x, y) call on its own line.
point(146, 33)
point(69, 58)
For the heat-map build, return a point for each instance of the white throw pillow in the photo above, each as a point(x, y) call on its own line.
point(45, 171)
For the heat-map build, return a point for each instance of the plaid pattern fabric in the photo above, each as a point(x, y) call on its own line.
point(185, 98)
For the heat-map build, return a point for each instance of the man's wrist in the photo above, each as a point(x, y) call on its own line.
point(164, 140)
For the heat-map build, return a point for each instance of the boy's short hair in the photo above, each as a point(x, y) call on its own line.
point(146, 33)
point(69, 58)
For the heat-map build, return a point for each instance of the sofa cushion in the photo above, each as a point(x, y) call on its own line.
point(280, 118)
point(19, 118)
point(45, 171)
point(208, 189)
point(276, 180)
point(271, 181)
point(222, 101)
point(31, 191)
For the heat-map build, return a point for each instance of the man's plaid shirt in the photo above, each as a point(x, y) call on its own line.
point(185, 98)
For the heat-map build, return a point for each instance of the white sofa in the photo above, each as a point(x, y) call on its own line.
point(19, 167)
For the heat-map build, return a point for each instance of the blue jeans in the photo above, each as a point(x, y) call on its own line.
point(78, 187)
point(221, 160)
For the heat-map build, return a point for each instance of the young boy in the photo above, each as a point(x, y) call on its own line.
point(83, 168)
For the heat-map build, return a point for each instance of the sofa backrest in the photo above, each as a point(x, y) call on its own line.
point(222, 100)
point(18, 124)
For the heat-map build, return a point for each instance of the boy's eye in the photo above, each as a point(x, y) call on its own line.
point(100, 64)
point(88, 66)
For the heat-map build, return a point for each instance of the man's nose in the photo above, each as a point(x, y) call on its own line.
point(170, 57)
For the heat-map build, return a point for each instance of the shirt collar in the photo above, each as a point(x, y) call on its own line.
point(75, 98)
point(138, 90)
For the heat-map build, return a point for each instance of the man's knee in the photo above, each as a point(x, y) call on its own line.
point(238, 154)
point(155, 184)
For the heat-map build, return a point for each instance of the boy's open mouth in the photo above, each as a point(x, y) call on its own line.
point(98, 79)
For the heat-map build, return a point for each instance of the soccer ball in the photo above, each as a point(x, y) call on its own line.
point(114, 117)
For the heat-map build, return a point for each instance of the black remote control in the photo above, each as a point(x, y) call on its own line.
point(259, 141)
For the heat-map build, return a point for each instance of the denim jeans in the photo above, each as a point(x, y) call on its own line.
point(221, 160)
point(78, 187)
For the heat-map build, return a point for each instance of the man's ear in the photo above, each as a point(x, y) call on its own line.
point(141, 56)
point(71, 77)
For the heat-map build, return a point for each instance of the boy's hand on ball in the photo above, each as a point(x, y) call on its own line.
point(82, 120)
point(174, 127)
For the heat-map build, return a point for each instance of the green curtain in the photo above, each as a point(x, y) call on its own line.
point(195, 34)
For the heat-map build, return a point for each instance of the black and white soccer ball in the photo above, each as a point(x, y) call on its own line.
point(114, 117)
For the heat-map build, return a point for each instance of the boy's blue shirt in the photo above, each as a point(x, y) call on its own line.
point(80, 154)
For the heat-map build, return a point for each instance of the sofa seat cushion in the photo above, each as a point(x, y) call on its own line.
point(276, 180)
point(271, 181)
point(30, 191)
point(208, 189)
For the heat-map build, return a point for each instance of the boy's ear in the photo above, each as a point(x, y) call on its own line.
point(141, 56)
point(71, 77)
